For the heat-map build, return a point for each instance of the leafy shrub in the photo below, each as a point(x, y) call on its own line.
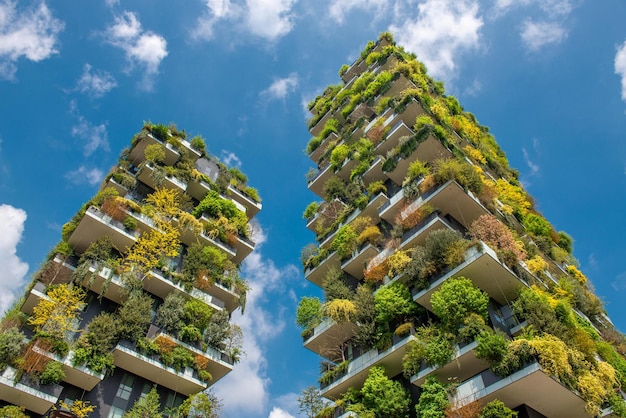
point(537, 225)
point(311, 210)
point(309, 312)
point(462, 172)
point(434, 346)
point(497, 409)
point(498, 236)
point(383, 396)
point(340, 310)
point(433, 400)
point(345, 241)
point(197, 143)
point(52, 373)
point(11, 345)
point(456, 299)
point(12, 412)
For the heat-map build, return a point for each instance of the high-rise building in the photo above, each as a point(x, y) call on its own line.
point(445, 291)
point(138, 294)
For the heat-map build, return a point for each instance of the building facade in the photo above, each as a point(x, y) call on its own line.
point(445, 291)
point(138, 294)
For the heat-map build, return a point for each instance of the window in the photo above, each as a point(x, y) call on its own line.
point(126, 387)
point(115, 412)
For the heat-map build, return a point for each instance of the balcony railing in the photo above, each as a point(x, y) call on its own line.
point(530, 386)
point(482, 266)
point(359, 367)
point(34, 396)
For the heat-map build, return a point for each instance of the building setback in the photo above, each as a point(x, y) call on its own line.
point(445, 290)
point(138, 293)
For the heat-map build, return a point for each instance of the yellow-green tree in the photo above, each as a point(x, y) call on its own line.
point(57, 314)
point(162, 241)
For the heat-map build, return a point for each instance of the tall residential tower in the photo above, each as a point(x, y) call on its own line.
point(446, 292)
point(133, 304)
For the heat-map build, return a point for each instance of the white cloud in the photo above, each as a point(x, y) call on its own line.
point(340, 8)
point(13, 272)
point(83, 174)
point(31, 33)
point(279, 413)
point(620, 67)
point(266, 19)
point(442, 30)
point(94, 136)
point(281, 87)
point(552, 8)
point(143, 48)
point(619, 283)
point(473, 89)
point(536, 35)
point(267, 282)
point(95, 83)
point(230, 159)
point(533, 167)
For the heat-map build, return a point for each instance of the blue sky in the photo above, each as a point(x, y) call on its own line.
point(77, 80)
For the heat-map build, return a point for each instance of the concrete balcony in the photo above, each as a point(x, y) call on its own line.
point(530, 386)
point(397, 87)
point(482, 267)
point(198, 189)
point(62, 268)
point(243, 247)
point(325, 215)
point(97, 224)
point(150, 367)
point(34, 396)
point(390, 359)
point(392, 207)
point(319, 126)
point(120, 189)
point(319, 152)
point(145, 175)
point(79, 376)
point(219, 364)
point(36, 294)
point(463, 365)
point(189, 237)
point(316, 274)
point(328, 335)
point(356, 264)
point(251, 207)
point(450, 199)
point(370, 211)
point(137, 153)
point(427, 151)
point(374, 173)
point(357, 68)
point(161, 285)
point(418, 234)
point(316, 184)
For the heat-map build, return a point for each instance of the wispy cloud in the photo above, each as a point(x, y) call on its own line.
point(530, 160)
point(13, 272)
point(31, 33)
point(266, 19)
point(281, 87)
point(92, 136)
point(85, 175)
point(95, 83)
point(340, 8)
point(619, 284)
point(143, 48)
point(260, 324)
point(536, 35)
point(441, 32)
point(230, 158)
point(620, 67)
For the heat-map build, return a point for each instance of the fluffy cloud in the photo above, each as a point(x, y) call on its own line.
point(142, 48)
point(92, 136)
point(266, 19)
point(620, 67)
point(279, 413)
point(13, 270)
point(95, 83)
point(281, 87)
point(30, 33)
point(442, 30)
point(83, 174)
point(267, 282)
point(536, 35)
